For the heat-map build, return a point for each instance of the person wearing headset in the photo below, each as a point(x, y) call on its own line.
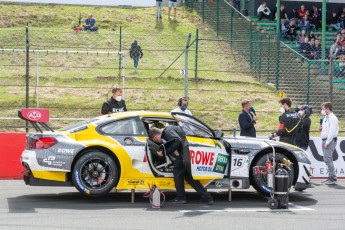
point(302, 135)
point(182, 106)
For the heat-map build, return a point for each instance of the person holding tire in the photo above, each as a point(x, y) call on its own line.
point(176, 147)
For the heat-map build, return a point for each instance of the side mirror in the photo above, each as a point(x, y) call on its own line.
point(218, 134)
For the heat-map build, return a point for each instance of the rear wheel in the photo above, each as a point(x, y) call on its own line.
point(95, 173)
point(259, 182)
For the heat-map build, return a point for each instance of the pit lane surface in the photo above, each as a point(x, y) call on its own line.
point(24, 207)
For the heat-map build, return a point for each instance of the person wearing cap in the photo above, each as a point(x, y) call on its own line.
point(329, 132)
point(302, 134)
point(182, 104)
point(115, 104)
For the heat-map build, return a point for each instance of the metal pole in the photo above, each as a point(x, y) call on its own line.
point(278, 25)
point(186, 66)
point(251, 44)
point(331, 67)
point(231, 25)
point(217, 8)
point(203, 11)
point(196, 53)
point(308, 84)
point(27, 72)
point(123, 74)
point(37, 77)
point(120, 49)
point(268, 58)
point(244, 10)
point(278, 65)
point(323, 40)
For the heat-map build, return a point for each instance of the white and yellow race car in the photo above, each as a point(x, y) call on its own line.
point(112, 151)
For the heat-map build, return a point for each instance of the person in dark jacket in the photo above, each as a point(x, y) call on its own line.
point(247, 120)
point(176, 148)
point(135, 53)
point(115, 104)
point(302, 134)
point(288, 122)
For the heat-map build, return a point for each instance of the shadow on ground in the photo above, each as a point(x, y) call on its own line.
point(122, 200)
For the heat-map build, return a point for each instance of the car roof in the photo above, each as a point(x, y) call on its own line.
point(140, 114)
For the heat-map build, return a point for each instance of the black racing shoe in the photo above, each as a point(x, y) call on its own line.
point(178, 201)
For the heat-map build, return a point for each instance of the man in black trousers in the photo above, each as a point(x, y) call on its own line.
point(176, 147)
point(247, 120)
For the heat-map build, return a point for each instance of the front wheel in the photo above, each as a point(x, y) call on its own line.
point(259, 182)
point(95, 173)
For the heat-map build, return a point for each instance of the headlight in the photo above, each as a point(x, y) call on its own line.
point(302, 156)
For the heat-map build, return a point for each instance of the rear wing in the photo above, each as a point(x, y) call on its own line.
point(36, 117)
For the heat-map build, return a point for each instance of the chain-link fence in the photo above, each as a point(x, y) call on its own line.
point(72, 73)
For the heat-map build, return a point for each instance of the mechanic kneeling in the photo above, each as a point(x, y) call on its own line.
point(289, 122)
point(175, 146)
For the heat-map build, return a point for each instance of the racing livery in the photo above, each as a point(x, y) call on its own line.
point(113, 151)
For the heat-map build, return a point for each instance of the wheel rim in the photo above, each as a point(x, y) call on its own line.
point(96, 173)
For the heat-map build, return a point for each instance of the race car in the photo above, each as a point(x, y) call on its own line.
point(113, 151)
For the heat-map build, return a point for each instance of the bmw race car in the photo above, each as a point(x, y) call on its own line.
point(113, 151)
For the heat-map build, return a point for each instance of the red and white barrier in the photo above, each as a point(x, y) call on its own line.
point(11, 148)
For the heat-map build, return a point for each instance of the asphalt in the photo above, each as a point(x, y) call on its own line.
point(24, 207)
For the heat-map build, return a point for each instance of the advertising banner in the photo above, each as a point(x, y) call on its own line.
point(316, 157)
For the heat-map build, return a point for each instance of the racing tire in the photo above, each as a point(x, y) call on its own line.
point(95, 174)
point(259, 182)
point(273, 203)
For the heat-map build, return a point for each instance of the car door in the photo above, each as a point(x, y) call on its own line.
point(208, 158)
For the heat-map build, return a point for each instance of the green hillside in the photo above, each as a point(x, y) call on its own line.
point(75, 85)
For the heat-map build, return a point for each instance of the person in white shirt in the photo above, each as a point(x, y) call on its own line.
point(329, 132)
point(182, 106)
point(264, 11)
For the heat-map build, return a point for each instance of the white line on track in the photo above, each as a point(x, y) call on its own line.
point(292, 208)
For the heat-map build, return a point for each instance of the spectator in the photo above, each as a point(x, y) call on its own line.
point(263, 11)
point(301, 36)
point(291, 31)
point(135, 53)
point(294, 14)
point(342, 37)
point(172, 4)
point(334, 22)
point(311, 35)
point(316, 50)
point(335, 48)
point(282, 27)
point(90, 24)
point(159, 4)
point(319, 37)
point(283, 14)
point(115, 104)
point(315, 17)
point(342, 21)
point(305, 48)
point(301, 12)
point(182, 106)
point(236, 4)
point(305, 23)
point(247, 120)
point(341, 52)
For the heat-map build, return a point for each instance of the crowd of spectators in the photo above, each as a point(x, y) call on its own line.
point(299, 26)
